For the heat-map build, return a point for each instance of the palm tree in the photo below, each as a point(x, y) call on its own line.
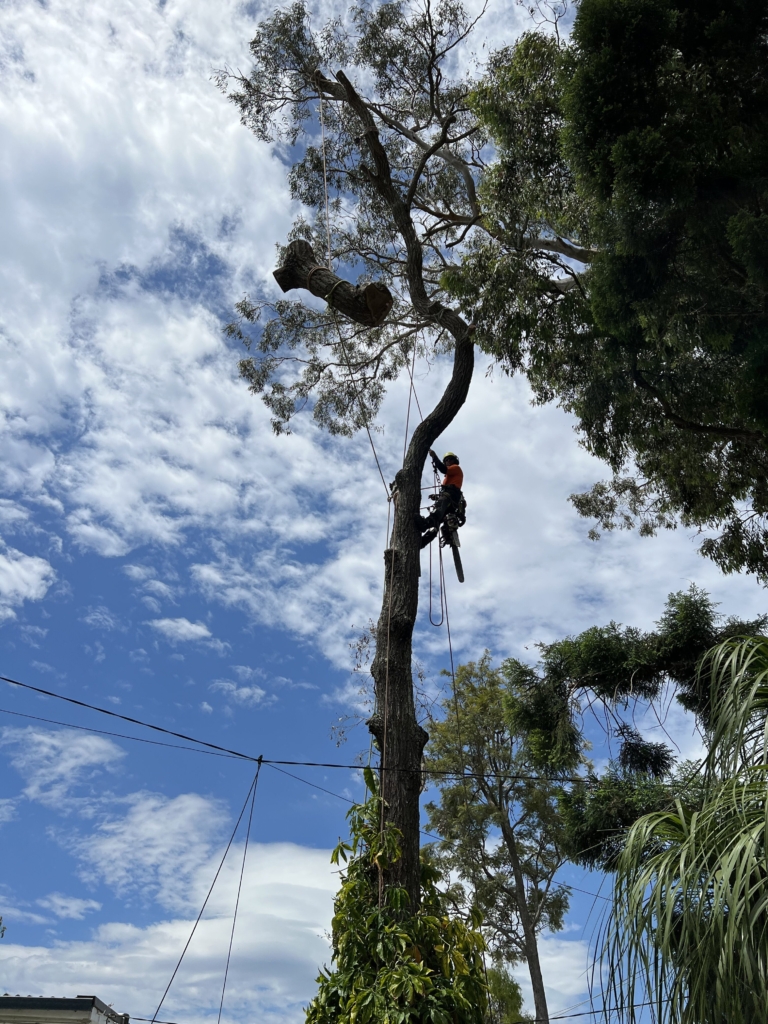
point(687, 933)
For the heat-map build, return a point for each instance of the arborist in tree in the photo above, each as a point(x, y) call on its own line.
point(449, 499)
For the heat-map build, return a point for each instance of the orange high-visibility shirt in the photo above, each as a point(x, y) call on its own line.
point(454, 476)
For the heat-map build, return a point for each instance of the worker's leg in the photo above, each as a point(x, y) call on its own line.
point(442, 508)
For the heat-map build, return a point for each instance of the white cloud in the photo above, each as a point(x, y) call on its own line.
point(565, 966)
point(245, 672)
point(249, 696)
point(68, 906)
point(138, 572)
point(15, 913)
point(102, 618)
point(7, 810)
point(160, 589)
point(22, 578)
point(181, 630)
point(154, 849)
point(54, 764)
point(285, 909)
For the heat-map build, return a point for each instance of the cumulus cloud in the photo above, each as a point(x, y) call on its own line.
point(152, 850)
point(68, 906)
point(565, 964)
point(285, 913)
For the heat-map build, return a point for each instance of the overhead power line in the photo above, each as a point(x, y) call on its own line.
point(251, 790)
point(127, 718)
point(518, 776)
point(120, 735)
point(528, 1020)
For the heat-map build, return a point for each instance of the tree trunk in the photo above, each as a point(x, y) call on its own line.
point(401, 740)
point(529, 929)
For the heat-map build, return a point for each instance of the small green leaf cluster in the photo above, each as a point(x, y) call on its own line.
point(614, 667)
point(393, 963)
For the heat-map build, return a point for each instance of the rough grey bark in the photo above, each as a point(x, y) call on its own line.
point(400, 738)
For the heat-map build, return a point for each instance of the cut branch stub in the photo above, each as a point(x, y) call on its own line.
point(368, 305)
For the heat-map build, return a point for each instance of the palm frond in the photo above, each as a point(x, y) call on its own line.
point(688, 929)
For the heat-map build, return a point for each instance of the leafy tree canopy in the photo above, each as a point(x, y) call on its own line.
point(499, 819)
point(641, 146)
point(505, 999)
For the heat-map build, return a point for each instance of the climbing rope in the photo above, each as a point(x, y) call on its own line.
point(391, 497)
point(410, 393)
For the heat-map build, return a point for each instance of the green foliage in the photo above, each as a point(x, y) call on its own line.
point(612, 668)
point(400, 53)
point(598, 812)
point(666, 109)
point(392, 965)
point(541, 713)
point(497, 796)
point(642, 146)
point(516, 279)
point(505, 999)
point(621, 663)
point(689, 924)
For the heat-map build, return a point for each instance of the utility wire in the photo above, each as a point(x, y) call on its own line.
point(217, 753)
point(239, 889)
point(120, 735)
point(127, 718)
point(527, 1020)
point(251, 788)
point(339, 796)
point(226, 751)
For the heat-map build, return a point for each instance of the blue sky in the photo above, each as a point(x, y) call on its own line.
point(164, 555)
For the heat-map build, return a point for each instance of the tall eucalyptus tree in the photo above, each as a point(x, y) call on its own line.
point(402, 153)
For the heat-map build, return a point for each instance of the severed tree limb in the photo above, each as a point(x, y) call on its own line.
point(368, 305)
